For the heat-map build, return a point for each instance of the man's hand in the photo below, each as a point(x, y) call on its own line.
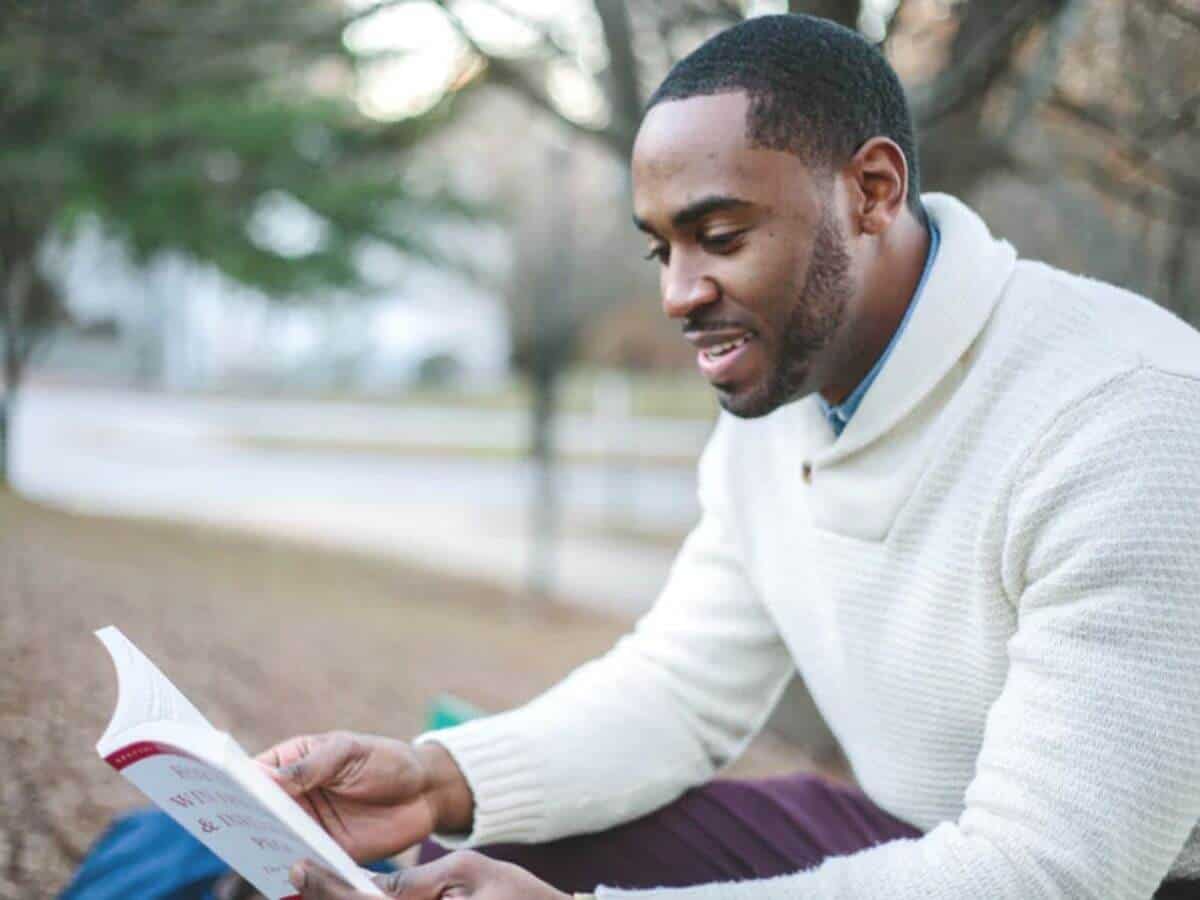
point(374, 795)
point(458, 876)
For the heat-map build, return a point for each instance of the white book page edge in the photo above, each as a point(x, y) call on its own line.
point(144, 694)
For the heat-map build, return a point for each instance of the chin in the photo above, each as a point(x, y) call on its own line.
point(760, 400)
point(746, 404)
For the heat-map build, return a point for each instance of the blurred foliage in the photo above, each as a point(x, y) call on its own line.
point(180, 125)
point(172, 121)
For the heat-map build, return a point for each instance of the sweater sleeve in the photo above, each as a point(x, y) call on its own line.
point(628, 733)
point(1088, 780)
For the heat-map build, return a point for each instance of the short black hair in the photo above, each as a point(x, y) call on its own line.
point(816, 89)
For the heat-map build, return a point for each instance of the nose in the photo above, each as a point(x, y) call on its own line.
point(685, 288)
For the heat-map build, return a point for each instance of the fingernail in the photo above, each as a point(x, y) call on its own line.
point(297, 875)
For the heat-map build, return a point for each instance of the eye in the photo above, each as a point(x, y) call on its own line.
point(660, 252)
point(722, 241)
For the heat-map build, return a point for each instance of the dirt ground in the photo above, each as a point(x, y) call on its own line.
point(269, 639)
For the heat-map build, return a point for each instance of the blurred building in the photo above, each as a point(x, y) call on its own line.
point(185, 325)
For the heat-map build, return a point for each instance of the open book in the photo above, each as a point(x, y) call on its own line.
point(207, 783)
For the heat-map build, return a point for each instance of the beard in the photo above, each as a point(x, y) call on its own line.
point(814, 319)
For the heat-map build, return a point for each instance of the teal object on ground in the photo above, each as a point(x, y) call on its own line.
point(446, 711)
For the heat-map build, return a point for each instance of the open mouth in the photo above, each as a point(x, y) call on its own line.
point(729, 361)
point(727, 347)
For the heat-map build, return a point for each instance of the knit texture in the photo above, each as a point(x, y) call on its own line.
point(990, 583)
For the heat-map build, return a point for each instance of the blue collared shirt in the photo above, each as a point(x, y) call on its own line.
point(839, 415)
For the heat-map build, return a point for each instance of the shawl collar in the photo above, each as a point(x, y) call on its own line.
point(968, 275)
point(859, 482)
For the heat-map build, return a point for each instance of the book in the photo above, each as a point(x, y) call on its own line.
point(208, 784)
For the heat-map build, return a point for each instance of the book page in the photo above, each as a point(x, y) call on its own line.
point(144, 694)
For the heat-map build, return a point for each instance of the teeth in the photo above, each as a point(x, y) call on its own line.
point(722, 349)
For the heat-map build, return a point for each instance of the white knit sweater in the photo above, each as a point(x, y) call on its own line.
point(991, 585)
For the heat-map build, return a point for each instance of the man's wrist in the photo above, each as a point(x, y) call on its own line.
point(446, 789)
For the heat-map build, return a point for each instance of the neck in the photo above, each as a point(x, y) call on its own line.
point(886, 293)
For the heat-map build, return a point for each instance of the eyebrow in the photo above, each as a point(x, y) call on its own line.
point(697, 210)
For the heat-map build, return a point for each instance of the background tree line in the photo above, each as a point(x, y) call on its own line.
point(1072, 123)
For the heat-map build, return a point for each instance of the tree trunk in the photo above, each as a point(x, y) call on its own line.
point(551, 346)
point(844, 12)
point(544, 521)
point(957, 148)
point(1178, 297)
point(622, 70)
point(16, 294)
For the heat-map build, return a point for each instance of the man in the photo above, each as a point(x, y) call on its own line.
point(959, 492)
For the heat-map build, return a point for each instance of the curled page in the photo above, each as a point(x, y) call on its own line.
point(144, 694)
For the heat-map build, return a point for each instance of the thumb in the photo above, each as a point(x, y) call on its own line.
point(321, 765)
point(425, 882)
point(317, 883)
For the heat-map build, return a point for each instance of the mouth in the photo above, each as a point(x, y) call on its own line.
point(727, 347)
point(723, 354)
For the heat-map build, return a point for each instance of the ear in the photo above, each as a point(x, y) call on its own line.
point(878, 174)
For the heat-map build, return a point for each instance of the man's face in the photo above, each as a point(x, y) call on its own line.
point(753, 261)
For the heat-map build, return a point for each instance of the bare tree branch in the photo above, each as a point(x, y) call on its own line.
point(622, 68)
point(1183, 118)
point(844, 12)
point(1176, 264)
point(978, 65)
point(516, 76)
point(1037, 85)
point(1148, 202)
point(1179, 11)
point(1126, 147)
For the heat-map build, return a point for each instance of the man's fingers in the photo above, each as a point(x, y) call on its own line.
point(280, 757)
point(421, 883)
point(287, 751)
point(309, 763)
point(317, 883)
point(403, 884)
point(430, 881)
point(411, 884)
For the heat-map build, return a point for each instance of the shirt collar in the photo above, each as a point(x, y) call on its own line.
point(839, 415)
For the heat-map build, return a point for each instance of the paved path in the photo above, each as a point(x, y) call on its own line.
point(252, 464)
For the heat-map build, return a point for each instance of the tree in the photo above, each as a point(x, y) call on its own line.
point(174, 123)
point(1096, 100)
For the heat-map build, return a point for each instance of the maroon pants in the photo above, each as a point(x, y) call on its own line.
point(723, 831)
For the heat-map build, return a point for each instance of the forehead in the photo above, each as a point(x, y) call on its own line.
point(686, 149)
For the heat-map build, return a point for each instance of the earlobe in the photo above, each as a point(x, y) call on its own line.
point(872, 223)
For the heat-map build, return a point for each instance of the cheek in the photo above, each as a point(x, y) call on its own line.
point(771, 276)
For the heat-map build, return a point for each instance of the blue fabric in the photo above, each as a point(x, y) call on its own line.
point(839, 415)
point(147, 856)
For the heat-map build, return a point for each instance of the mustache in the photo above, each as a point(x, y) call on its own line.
point(694, 324)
